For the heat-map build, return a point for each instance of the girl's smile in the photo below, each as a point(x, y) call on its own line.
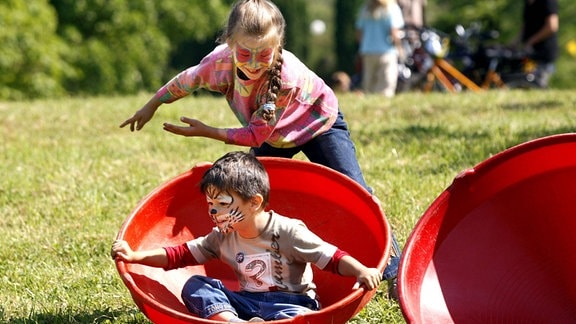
point(253, 57)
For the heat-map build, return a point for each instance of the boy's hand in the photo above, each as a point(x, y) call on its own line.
point(121, 250)
point(370, 278)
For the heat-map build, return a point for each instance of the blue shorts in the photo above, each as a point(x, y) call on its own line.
point(206, 297)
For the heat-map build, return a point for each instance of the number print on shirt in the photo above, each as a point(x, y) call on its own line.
point(257, 272)
point(258, 267)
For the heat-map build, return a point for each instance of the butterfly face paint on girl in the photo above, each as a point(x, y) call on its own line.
point(253, 57)
point(223, 212)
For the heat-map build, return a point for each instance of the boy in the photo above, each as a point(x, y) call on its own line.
point(271, 254)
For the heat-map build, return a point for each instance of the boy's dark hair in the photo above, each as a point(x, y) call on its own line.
point(238, 172)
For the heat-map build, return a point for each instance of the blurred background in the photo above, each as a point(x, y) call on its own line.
point(55, 48)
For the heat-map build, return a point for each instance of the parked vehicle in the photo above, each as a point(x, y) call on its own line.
point(472, 59)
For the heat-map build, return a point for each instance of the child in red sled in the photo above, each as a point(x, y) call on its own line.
point(271, 254)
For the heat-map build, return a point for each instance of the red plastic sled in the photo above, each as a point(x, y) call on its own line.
point(499, 244)
point(332, 205)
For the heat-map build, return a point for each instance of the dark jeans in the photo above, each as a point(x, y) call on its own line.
point(206, 297)
point(333, 149)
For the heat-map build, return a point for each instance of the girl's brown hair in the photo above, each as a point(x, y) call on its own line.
point(262, 19)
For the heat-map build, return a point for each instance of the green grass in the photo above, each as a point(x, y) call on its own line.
point(69, 177)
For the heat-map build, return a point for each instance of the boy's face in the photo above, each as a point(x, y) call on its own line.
point(253, 56)
point(225, 209)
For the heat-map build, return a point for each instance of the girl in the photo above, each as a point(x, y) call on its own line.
point(237, 188)
point(284, 108)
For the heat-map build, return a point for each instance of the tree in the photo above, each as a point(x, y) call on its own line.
point(56, 47)
point(126, 46)
point(488, 13)
point(297, 21)
point(30, 55)
point(114, 45)
point(345, 34)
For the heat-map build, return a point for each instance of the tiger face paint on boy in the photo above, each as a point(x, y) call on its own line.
point(223, 211)
point(253, 57)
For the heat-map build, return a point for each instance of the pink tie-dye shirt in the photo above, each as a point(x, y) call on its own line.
point(305, 108)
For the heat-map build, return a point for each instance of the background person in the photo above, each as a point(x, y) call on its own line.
point(413, 12)
point(378, 32)
point(539, 36)
point(340, 82)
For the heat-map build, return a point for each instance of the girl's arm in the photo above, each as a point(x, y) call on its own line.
point(197, 128)
point(142, 116)
point(154, 258)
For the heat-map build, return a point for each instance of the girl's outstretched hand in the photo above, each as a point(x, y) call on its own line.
point(142, 116)
point(196, 128)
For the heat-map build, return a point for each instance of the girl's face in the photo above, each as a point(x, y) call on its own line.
point(253, 56)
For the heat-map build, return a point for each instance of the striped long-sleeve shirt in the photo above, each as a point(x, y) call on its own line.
point(305, 108)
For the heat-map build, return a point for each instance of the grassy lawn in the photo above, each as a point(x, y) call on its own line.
point(69, 177)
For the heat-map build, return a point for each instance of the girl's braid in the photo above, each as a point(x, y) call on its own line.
point(274, 86)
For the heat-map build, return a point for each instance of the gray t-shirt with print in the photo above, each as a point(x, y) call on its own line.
point(277, 260)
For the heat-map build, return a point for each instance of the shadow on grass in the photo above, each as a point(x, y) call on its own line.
point(425, 134)
point(536, 105)
point(475, 145)
point(99, 316)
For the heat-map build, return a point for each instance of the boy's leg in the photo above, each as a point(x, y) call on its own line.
point(209, 298)
point(280, 305)
point(206, 297)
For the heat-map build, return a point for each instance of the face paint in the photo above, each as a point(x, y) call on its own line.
point(253, 61)
point(223, 212)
